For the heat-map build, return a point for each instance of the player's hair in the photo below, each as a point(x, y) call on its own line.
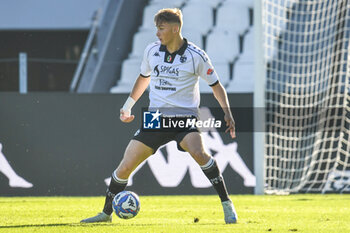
point(168, 15)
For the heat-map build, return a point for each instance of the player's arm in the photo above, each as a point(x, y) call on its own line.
point(139, 88)
point(221, 96)
point(207, 72)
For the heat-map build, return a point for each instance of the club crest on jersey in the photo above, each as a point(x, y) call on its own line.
point(210, 71)
point(183, 59)
point(169, 58)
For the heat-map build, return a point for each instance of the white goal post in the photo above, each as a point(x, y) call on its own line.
point(302, 83)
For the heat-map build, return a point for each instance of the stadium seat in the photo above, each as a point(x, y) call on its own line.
point(233, 17)
point(130, 71)
point(248, 46)
point(222, 46)
point(243, 77)
point(198, 16)
point(211, 3)
point(194, 36)
point(169, 3)
point(140, 41)
point(223, 71)
point(248, 3)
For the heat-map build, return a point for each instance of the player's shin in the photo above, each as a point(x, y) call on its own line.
point(116, 186)
point(212, 172)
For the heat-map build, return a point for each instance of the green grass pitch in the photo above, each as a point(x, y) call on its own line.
point(293, 213)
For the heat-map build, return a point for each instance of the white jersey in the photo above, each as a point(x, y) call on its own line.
point(174, 85)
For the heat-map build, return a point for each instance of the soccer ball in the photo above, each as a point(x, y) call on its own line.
point(126, 204)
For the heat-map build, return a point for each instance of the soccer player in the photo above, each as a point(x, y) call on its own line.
point(171, 66)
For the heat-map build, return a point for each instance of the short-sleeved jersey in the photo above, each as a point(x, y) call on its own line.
point(174, 85)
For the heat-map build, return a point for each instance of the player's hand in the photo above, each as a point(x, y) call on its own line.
point(230, 123)
point(125, 116)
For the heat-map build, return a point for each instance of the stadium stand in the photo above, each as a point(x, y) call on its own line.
point(130, 70)
point(47, 15)
point(220, 27)
point(229, 14)
point(223, 70)
point(114, 35)
point(211, 3)
point(112, 45)
point(51, 33)
point(243, 80)
point(247, 3)
point(174, 3)
point(194, 36)
point(198, 16)
point(140, 41)
point(222, 46)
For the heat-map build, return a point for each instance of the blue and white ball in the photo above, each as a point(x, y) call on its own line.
point(126, 204)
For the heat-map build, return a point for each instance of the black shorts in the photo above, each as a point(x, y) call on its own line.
point(159, 138)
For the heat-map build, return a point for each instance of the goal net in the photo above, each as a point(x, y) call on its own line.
point(307, 102)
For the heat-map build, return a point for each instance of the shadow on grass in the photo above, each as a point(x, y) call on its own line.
point(57, 225)
point(95, 225)
point(304, 199)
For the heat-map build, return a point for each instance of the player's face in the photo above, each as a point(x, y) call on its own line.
point(166, 32)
